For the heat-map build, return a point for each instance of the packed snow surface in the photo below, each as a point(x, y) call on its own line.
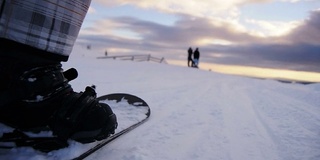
point(200, 115)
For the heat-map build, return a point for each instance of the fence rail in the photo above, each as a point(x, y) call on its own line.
point(139, 58)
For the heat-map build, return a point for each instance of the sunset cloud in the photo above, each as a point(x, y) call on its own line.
point(273, 28)
point(204, 8)
point(309, 31)
point(219, 28)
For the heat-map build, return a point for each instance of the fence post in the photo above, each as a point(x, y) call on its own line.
point(161, 59)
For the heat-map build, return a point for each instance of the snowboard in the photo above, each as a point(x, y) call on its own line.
point(131, 112)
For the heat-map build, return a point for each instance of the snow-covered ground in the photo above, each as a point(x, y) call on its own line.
point(202, 115)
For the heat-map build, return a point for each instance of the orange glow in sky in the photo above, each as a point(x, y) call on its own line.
point(257, 72)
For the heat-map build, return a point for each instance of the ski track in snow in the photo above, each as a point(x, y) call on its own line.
point(201, 115)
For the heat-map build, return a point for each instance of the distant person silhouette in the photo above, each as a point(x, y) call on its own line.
point(190, 52)
point(196, 56)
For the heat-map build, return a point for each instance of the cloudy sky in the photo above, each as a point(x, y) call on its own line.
point(265, 33)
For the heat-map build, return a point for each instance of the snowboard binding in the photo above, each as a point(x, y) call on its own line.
point(41, 99)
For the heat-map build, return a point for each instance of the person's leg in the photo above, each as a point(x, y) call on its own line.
point(34, 90)
point(196, 63)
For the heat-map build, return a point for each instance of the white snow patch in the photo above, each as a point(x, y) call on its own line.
point(199, 115)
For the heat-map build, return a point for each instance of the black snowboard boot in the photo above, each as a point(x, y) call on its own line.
point(35, 95)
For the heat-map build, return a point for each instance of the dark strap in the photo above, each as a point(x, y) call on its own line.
point(38, 84)
point(44, 144)
point(41, 83)
point(67, 118)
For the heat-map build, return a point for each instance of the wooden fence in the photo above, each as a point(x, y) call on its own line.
point(139, 58)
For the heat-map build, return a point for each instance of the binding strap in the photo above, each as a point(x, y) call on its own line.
point(65, 121)
point(44, 144)
point(41, 83)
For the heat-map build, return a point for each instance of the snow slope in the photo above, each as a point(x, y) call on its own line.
point(202, 115)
